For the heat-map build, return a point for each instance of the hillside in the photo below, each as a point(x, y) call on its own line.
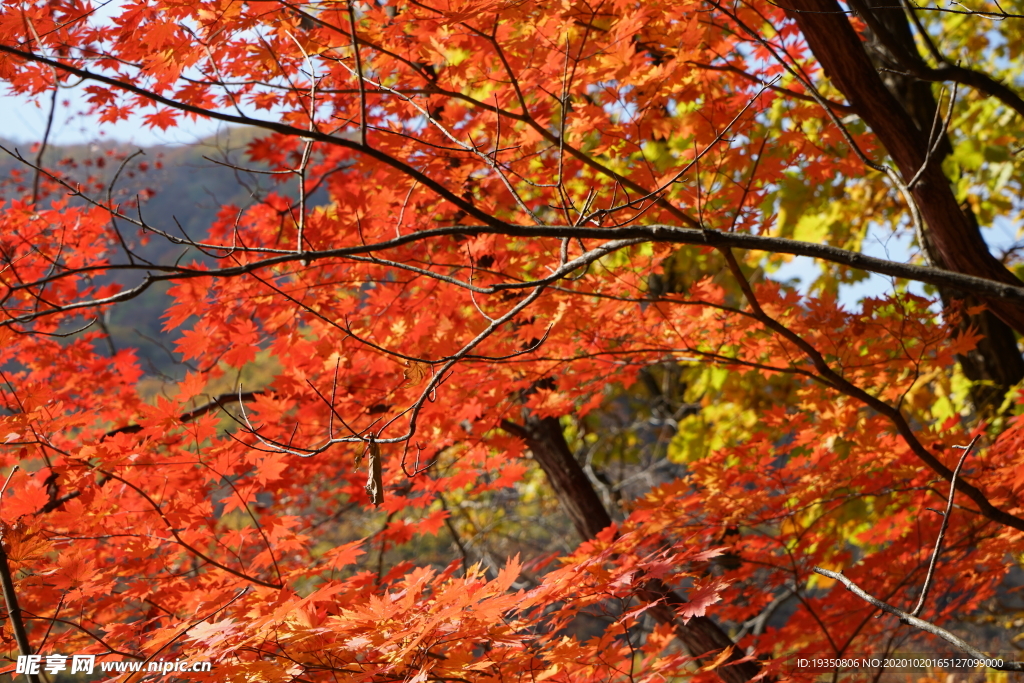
point(181, 191)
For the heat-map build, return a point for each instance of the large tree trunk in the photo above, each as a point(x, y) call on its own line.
point(900, 109)
point(700, 635)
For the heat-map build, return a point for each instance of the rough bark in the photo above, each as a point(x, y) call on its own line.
point(894, 63)
point(575, 493)
point(953, 234)
point(995, 365)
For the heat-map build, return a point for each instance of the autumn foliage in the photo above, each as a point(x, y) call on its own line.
point(534, 210)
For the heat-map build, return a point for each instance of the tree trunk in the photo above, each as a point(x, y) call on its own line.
point(575, 493)
point(954, 235)
point(900, 109)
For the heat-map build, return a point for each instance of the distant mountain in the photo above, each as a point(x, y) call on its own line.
point(182, 190)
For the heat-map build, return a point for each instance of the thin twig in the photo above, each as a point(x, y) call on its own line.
point(46, 139)
point(936, 138)
point(942, 529)
point(906, 618)
point(185, 630)
point(10, 596)
point(845, 386)
point(359, 74)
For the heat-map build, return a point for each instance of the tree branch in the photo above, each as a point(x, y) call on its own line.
point(906, 618)
point(853, 391)
point(11, 595)
point(658, 233)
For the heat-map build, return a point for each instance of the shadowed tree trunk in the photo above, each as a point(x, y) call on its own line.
point(700, 635)
point(899, 108)
point(889, 85)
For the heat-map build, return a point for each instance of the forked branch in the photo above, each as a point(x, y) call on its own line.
point(912, 616)
point(892, 413)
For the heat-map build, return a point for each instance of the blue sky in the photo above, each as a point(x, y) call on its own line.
point(24, 122)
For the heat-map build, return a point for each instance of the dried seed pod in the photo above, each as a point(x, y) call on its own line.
point(374, 485)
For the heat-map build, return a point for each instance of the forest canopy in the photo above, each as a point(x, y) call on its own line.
point(483, 372)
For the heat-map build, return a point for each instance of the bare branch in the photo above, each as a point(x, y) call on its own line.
point(942, 529)
point(906, 618)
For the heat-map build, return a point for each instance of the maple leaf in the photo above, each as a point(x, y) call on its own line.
point(271, 467)
point(432, 523)
point(191, 386)
point(547, 402)
point(75, 569)
point(239, 499)
point(21, 544)
point(510, 474)
point(576, 220)
point(210, 633)
point(27, 499)
point(507, 575)
point(162, 119)
point(719, 659)
point(193, 343)
point(345, 554)
point(240, 354)
point(699, 600)
point(399, 531)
